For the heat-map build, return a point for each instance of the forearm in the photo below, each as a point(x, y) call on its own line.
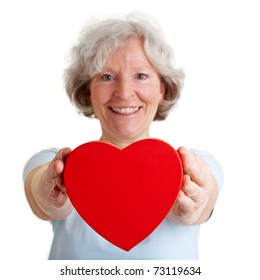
point(39, 198)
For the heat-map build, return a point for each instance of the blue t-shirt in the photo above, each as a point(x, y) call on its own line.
point(74, 239)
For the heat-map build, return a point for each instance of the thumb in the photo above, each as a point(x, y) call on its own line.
point(56, 166)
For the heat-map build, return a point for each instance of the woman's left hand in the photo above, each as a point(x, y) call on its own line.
point(198, 193)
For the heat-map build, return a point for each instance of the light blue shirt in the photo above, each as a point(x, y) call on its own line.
point(74, 239)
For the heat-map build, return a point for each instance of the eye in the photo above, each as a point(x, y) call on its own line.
point(142, 76)
point(107, 77)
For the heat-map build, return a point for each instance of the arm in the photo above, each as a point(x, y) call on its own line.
point(198, 193)
point(45, 191)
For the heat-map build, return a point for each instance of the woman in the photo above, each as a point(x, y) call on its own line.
point(122, 74)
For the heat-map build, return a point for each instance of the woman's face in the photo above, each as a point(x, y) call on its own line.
point(126, 94)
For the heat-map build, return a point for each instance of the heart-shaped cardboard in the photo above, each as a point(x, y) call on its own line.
point(123, 194)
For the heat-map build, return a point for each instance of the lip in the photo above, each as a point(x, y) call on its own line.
point(124, 111)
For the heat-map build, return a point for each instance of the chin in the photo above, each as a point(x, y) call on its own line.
point(128, 133)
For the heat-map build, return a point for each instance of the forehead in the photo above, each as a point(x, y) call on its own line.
point(131, 52)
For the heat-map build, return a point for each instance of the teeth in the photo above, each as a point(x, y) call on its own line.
point(125, 110)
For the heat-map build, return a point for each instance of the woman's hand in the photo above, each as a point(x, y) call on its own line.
point(45, 190)
point(198, 193)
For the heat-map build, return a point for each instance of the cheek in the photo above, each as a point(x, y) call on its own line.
point(153, 98)
point(99, 97)
point(154, 93)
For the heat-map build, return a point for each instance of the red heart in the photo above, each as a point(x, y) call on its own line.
point(123, 194)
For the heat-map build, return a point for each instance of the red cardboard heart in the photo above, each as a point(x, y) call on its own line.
point(123, 194)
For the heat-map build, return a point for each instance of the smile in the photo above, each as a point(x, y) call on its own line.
point(125, 110)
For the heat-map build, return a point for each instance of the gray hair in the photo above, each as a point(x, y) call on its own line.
point(100, 40)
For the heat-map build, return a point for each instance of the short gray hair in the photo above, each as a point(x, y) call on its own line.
point(100, 40)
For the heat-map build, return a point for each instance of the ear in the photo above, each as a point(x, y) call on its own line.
point(162, 90)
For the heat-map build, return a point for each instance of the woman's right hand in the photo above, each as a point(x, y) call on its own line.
point(45, 190)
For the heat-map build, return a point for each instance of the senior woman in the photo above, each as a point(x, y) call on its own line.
point(122, 73)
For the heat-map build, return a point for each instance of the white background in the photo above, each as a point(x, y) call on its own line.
point(217, 44)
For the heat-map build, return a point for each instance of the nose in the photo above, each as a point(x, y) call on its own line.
point(124, 89)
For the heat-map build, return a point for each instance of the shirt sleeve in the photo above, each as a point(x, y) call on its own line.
point(38, 159)
point(214, 164)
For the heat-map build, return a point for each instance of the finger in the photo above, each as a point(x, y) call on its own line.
point(59, 184)
point(56, 166)
point(63, 154)
point(60, 158)
point(193, 191)
point(57, 197)
point(194, 166)
point(185, 203)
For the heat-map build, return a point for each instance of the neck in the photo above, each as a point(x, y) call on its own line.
point(122, 142)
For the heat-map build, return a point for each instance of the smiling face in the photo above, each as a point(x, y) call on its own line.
point(126, 94)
